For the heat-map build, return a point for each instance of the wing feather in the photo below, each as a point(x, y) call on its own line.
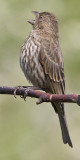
point(52, 63)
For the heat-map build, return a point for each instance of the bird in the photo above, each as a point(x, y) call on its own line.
point(41, 61)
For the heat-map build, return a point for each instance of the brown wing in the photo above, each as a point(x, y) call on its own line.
point(52, 62)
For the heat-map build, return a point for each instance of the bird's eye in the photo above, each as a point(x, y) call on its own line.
point(40, 18)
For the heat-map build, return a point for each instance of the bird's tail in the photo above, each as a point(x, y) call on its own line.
point(64, 129)
point(63, 124)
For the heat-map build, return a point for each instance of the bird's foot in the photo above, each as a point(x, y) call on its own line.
point(27, 89)
point(15, 90)
point(41, 99)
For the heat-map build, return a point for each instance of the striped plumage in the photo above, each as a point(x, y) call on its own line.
point(29, 61)
point(42, 63)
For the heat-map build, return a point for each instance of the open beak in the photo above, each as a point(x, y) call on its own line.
point(31, 22)
point(34, 21)
point(36, 14)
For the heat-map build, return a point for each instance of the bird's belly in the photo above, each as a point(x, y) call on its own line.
point(34, 72)
point(31, 65)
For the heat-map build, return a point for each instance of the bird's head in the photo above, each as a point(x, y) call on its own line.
point(44, 21)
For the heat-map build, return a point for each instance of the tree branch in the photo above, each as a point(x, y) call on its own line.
point(41, 95)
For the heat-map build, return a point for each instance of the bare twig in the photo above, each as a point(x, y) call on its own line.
point(41, 95)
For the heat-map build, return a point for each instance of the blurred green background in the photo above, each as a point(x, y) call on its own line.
point(27, 131)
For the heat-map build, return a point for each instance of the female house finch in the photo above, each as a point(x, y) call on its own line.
point(42, 63)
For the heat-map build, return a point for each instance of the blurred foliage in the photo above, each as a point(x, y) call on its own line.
point(27, 131)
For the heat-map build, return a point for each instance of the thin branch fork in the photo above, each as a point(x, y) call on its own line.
point(41, 95)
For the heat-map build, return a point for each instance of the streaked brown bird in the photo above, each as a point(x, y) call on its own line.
point(42, 62)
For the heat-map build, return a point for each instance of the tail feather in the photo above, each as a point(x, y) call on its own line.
point(64, 129)
point(59, 109)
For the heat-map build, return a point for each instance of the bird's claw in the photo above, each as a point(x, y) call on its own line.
point(15, 90)
point(27, 90)
point(25, 93)
point(40, 100)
